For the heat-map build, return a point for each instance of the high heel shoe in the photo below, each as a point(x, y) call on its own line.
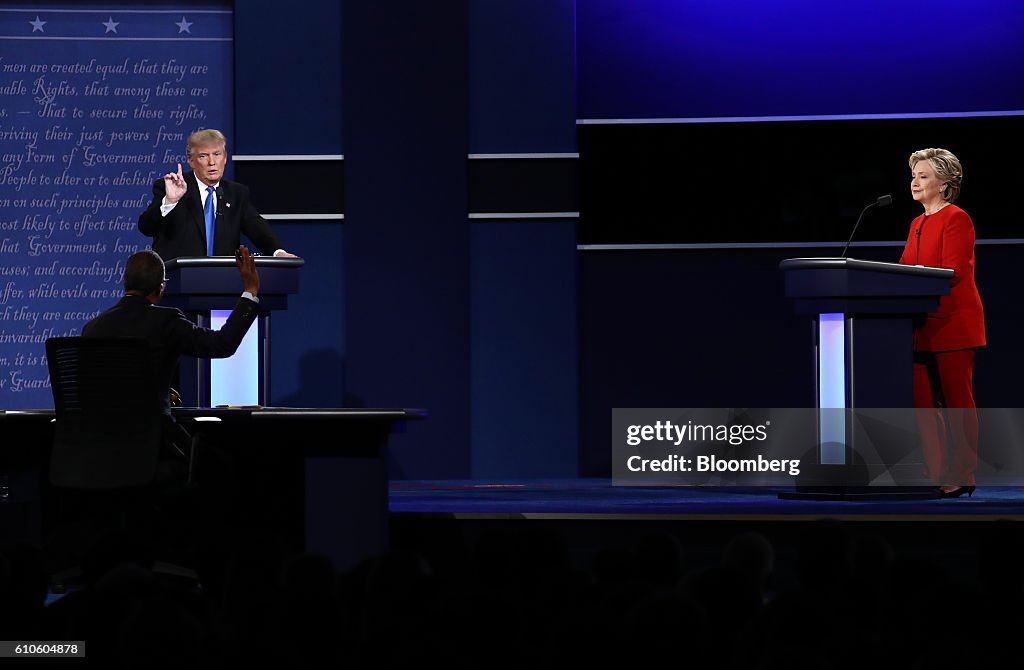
point(957, 492)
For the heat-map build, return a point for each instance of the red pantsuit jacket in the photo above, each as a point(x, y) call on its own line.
point(946, 240)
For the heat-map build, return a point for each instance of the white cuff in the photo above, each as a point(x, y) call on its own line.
point(250, 296)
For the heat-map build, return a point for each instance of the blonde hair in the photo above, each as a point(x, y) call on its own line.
point(205, 136)
point(947, 169)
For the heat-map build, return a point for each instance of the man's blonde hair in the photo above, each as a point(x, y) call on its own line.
point(203, 137)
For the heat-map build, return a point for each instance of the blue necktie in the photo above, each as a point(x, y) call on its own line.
point(208, 213)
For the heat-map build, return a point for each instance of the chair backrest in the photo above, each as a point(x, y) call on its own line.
point(108, 429)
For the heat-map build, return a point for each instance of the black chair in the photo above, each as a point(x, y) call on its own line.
point(108, 435)
point(108, 430)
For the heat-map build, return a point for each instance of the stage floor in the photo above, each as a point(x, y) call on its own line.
point(572, 498)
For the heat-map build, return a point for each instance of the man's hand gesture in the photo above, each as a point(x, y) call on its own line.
point(174, 186)
point(247, 270)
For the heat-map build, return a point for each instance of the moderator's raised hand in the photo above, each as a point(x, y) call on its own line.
point(174, 186)
point(247, 270)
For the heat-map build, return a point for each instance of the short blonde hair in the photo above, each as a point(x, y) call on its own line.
point(947, 169)
point(205, 136)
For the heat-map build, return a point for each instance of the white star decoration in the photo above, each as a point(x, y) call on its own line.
point(184, 26)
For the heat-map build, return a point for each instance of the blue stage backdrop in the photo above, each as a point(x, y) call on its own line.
point(96, 102)
point(746, 58)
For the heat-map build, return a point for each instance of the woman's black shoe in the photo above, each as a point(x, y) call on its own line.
point(957, 492)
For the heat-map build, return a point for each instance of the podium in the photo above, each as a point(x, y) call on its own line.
point(201, 284)
point(862, 315)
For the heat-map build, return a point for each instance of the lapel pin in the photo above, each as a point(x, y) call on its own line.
point(227, 204)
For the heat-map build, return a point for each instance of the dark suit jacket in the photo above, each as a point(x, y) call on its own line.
point(183, 231)
point(170, 334)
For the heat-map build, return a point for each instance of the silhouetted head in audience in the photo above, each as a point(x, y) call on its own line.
point(730, 599)
point(144, 276)
point(751, 554)
point(826, 556)
point(659, 559)
point(663, 626)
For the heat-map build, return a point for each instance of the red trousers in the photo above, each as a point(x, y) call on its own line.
point(946, 415)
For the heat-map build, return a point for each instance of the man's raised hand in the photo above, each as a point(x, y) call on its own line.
point(174, 186)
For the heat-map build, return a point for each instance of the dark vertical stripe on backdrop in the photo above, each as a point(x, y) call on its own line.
point(406, 236)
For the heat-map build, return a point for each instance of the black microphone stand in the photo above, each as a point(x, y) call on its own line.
point(881, 202)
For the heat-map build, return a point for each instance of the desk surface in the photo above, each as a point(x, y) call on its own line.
point(26, 415)
point(254, 413)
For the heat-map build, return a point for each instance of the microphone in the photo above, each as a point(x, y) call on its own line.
point(883, 201)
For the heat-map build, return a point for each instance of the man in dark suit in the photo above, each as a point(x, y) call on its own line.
point(168, 332)
point(202, 214)
point(171, 335)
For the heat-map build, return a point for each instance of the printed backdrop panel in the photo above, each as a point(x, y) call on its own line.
point(96, 102)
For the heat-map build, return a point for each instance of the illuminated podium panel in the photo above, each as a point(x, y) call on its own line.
point(206, 285)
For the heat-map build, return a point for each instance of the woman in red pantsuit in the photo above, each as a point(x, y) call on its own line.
point(945, 341)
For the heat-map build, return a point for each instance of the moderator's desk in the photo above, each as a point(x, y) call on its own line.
point(25, 440)
point(326, 467)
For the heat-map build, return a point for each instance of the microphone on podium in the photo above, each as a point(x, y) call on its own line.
point(883, 201)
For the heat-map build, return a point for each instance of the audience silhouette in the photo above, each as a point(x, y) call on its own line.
point(526, 593)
